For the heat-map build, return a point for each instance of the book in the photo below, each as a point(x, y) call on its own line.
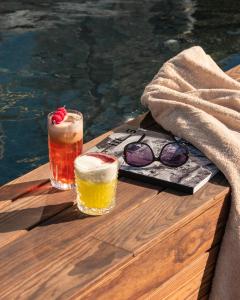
point(189, 177)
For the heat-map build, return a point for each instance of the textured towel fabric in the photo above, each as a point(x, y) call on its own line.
point(193, 98)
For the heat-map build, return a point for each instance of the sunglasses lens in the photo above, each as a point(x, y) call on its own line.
point(174, 155)
point(138, 155)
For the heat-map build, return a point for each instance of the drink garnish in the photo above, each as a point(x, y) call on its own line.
point(61, 113)
point(62, 109)
point(58, 115)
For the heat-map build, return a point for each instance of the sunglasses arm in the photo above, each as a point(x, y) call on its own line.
point(141, 138)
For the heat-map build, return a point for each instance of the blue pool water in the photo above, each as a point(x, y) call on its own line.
point(95, 56)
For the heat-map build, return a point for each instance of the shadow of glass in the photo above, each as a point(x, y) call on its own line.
point(69, 215)
point(28, 218)
point(17, 191)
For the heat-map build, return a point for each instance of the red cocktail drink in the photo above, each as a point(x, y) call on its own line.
point(65, 141)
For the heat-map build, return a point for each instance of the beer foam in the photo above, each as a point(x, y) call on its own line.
point(96, 167)
point(69, 131)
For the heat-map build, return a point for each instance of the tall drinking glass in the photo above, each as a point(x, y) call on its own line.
point(65, 142)
point(96, 182)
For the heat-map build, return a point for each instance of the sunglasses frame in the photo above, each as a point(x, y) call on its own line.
point(153, 155)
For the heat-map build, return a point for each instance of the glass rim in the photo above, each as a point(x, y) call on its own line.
point(95, 152)
point(68, 110)
point(81, 171)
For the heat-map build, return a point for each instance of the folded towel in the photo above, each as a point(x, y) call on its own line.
point(194, 99)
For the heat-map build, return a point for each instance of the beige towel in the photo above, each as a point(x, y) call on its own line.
point(194, 99)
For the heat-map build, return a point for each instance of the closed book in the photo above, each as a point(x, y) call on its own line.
point(189, 177)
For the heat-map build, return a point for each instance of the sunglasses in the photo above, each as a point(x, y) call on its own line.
point(139, 154)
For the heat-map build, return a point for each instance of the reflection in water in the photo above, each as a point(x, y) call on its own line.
point(95, 56)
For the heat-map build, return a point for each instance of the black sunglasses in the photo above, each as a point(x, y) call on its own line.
point(139, 154)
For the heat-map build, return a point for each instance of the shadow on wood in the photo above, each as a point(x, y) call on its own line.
point(209, 269)
point(14, 191)
point(25, 219)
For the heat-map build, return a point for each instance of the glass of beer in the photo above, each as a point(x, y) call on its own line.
point(65, 142)
point(96, 181)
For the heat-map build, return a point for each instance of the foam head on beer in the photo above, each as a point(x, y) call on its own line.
point(96, 167)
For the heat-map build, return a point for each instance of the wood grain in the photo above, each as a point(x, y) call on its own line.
point(79, 264)
point(45, 202)
point(157, 264)
point(35, 251)
point(27, 183)
point(130, 195)
point(161, 215)
point(32, 209)
point(192, 282)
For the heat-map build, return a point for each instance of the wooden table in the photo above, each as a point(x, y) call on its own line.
point(156, 244)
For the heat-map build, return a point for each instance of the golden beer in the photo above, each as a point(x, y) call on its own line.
point(96, 182)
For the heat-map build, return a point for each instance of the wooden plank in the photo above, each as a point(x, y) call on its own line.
point(192, 282)
point(80, 263)
point(129, 196)
point(27, 183)
point(151, 268)
point(45, 202)
point(32, 209)
point(72, 226)
point(32, 251)
point(161, 215)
